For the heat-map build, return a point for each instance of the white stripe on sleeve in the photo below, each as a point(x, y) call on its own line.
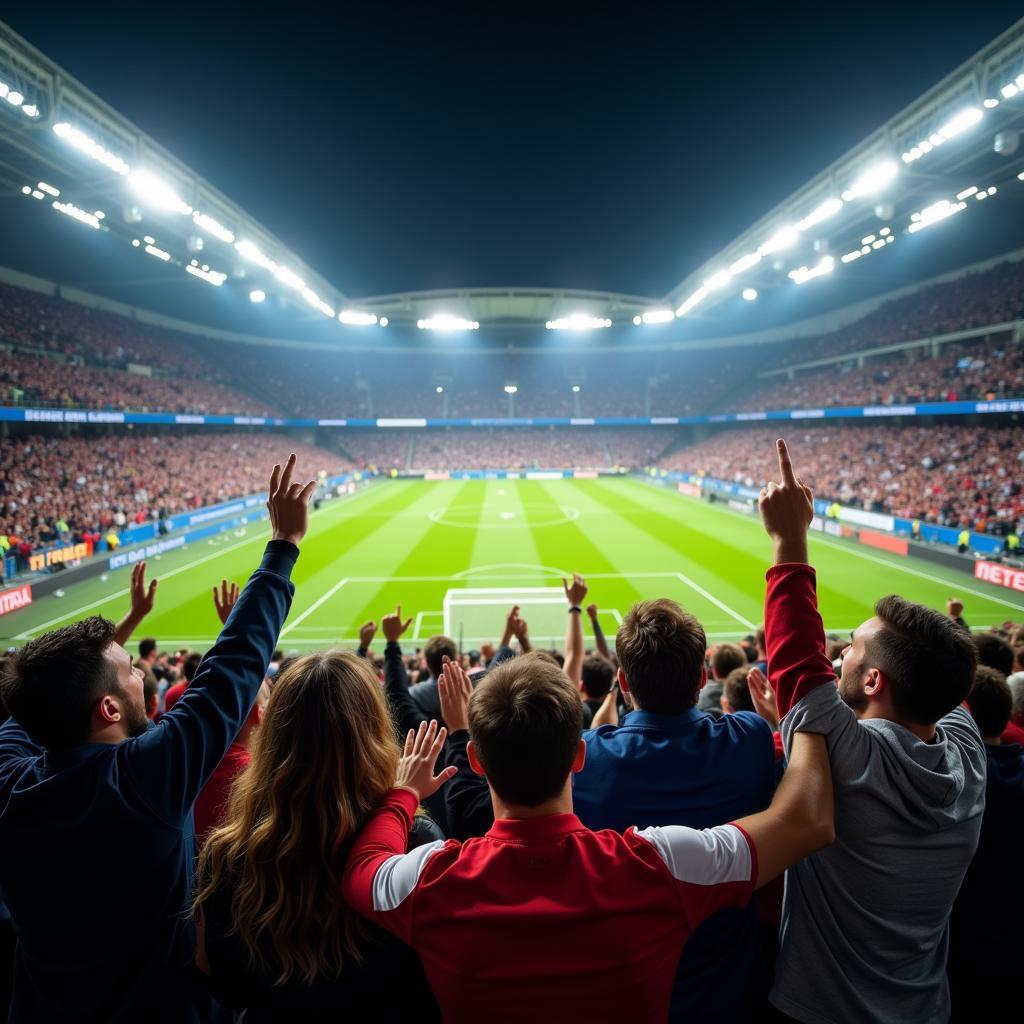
point(707, 856)
point(397, 876)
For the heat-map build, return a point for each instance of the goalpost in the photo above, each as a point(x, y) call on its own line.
point(477, 614)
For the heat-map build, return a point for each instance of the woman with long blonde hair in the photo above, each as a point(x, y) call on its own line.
point(273, 931)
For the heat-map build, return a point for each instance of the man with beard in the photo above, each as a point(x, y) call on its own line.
point(865, 926)
point(96, 838)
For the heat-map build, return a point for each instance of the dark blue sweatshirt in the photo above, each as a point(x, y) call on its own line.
point(96, 843)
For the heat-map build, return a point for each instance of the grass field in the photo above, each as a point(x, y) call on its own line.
point(457, 555)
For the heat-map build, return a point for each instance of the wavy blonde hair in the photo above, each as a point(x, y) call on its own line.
point(322, 760)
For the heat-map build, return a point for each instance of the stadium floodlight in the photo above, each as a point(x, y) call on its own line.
point(251, 252)
point(694, 300)
point(749, 294)
point(49, 189)
point(823, 211)
point(510, 389)
point(357, 319)
point(718, 280)
point(885, 232)
point(967, 192)
point(257, 295)
point(782, 239)
point(1010, 90)
point(14, 97)
point(36, 194)
point(851, 256)
point(1020, 177)
point(30, 110)
point(160, 254)
point(289, 277)
point(447, 322)
point(575, 389)
point(150, 188)
point(933, 214)
point(204, 273)
point(213, 227)
point(744, 263)
point(990, 103)
point(578, 322)
point(804, 274)
point(90, 147)
point(82, 216)
point(384, 321)
point(875, 178)
point(657, 316)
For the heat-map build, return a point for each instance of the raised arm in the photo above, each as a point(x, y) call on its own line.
point(142, 600)
point(599, 640)
point(172, 762)
point(794, 635)
point(396, 680)
point(575, 594)
point(467, 797)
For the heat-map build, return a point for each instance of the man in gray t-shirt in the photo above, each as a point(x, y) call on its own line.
point(865, 928)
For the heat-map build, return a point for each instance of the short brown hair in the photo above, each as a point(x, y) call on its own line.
point(727, 658)
point(990, 701)
point(437, 647)
point(525, 721)
point(927, 658)
point(736, 691)
point(661, 650)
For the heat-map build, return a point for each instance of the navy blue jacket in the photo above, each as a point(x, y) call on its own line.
point(698, 770)
point(96, 843)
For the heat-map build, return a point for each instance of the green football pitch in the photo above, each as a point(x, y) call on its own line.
point(457, 554)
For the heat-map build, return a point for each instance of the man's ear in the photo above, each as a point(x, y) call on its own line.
point(108, 710)
point(874, 683)
point(580, 758)
point(725, 705)
point(703, 678)
point(474, 761)
point(621, 677)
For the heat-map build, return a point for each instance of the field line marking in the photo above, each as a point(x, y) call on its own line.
point(716, 602)
point(417, 626)
point(313, 607)
point(173, 572)
point(617, 614)
point(922, 575)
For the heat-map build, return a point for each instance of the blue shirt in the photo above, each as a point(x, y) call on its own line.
point(96, 843)
point(698, 770)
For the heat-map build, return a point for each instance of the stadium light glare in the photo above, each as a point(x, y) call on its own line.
point(577, 322)
point(990, 103)
point(204, 273)
point(575, 389)
point(49, 189)
point(851, 256)
point(251, 252)
point(384, 321)
point(82, 216)
point(803, 274)
point(874, 179)
point(356, 318)
point(1010, 90)
point(160, 254)
point(36, 194)
point(933, 214)
point(749, 294)
point(827, 209)
point(447, 322)
point(90, 147)
point(719, 280)
point(510, 389)
point(1020, 177)
point(289, 277)
point(14, 97)
point(257, 295)
point(26, 190)
point(657, 316)
point(212, 226)
point(151, 189)
point(782, 239)
point(744, 263)
point(439, 389)
point(30, 110)
point(885, 232)
point(694, 300)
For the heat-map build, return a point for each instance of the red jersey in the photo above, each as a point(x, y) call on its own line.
point(212, 803)
point(543, 919)
point(173, 695)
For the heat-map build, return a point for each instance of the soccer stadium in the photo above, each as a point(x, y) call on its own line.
point(383, 641)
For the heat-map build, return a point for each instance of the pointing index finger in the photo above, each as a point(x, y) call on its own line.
point(785, 463)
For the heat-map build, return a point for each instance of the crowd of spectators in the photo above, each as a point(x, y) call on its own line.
point(952, 475)
point(510, 834)
point(72, 488)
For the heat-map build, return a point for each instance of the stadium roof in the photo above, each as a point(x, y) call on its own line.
point(62, 147)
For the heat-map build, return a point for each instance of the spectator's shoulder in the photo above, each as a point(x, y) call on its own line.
point(745, 723)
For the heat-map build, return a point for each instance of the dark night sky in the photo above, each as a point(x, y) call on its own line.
point(432, 146)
